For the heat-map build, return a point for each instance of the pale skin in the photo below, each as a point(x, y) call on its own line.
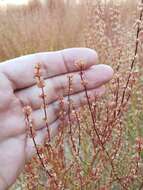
point(18, 88)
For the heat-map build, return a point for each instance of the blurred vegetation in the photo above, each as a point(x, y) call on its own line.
point(37, 27)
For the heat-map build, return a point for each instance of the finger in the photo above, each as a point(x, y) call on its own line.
point(95, 76)
point(54, 108)
point(6, 93)
point(40, 137)
point(20, 71)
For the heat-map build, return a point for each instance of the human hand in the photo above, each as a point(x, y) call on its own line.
point(18, 87)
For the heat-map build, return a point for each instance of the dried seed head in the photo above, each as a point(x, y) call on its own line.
point(37, 73)
point(80, 64)
point(84, 82)
point(40, 82)
point(112, 105)
point(37, 70)
point(27, 110)
point(137, 23)
point(43, 96)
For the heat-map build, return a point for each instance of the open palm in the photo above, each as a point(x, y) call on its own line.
point(18, 88)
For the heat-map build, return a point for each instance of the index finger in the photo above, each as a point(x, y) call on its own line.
point(20, 71)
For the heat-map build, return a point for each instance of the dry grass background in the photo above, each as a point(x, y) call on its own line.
point(33, 28)
point(40, 28)
point(108, 27)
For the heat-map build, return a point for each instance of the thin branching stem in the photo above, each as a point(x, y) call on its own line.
point(135, 56)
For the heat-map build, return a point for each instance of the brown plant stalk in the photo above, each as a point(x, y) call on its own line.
point(29, 123)
point(41, 84)
point(84, 83)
